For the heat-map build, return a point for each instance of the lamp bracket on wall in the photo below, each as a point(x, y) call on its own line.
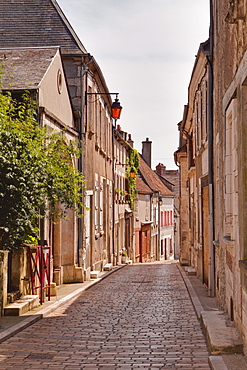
point(115, 107)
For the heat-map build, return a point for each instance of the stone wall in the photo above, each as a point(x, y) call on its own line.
point(3, 279)
point(230, 43)
point(20, 271)
point(184, 216)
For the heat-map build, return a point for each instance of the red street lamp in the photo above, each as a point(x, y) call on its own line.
point(116, 109)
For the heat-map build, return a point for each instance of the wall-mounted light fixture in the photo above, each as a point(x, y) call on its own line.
point(116, 108)
point(160, 200)
point(132, 173)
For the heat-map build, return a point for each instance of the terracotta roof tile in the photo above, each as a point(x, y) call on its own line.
point(141, 187)
point(152, 179)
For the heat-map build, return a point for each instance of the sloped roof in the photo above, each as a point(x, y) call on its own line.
point(30, 23)
point(141, 187)
point(25, 68)
point(152, 179)
point(168, 183)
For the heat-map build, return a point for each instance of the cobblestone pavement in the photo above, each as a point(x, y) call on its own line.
point(140, 317)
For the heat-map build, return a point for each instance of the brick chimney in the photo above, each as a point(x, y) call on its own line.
point(130, 141)
point(147, 151)
point(161, 169)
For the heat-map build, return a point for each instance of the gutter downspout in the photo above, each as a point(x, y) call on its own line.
point(159, 231)
point(83, 79)
point(209, 56)
point(114, 254)
point(40, 112)
point(211, 282)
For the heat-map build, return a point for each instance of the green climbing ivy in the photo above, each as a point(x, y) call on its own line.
point(36, 172)
point(133, 163)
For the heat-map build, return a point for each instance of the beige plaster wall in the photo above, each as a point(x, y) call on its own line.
point(53, 93)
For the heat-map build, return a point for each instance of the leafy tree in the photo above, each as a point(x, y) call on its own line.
point(36, 172)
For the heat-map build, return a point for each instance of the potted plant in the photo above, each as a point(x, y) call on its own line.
point(124, 256)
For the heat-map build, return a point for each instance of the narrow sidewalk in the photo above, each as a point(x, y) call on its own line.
point(207, 309)
point(10, 325)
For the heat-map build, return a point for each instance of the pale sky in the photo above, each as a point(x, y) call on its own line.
point(146, 50)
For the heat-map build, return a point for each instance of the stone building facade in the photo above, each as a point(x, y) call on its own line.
point(193, 131)
point(88, 242)
point(230, 187)
point(40, 71)
point(123, 214)
point(216, 192)
point(154, 213)
point(181, 160)
point(171, 179)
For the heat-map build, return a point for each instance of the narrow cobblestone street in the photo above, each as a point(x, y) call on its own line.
point(139, 317)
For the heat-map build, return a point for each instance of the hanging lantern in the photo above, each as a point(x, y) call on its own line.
point(116, 109)
point(132, 173)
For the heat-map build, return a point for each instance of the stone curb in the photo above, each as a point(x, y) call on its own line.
point(193, 296)
point(18, 327)
point(217, 363)
point(34, 317)
point(222, 338)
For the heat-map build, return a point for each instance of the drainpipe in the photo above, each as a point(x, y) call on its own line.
point(209, 56)
point(83, 79)
point(211, 282)
point(40, 112)
point(114, 255)
point(159, 226)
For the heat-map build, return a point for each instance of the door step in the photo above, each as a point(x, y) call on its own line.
point(108, 267)
point(94, 274)
point(190, 270)
point(13, 296)
point(21, 306)
point(221, 334)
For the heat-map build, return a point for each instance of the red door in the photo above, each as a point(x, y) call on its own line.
point(145, 243)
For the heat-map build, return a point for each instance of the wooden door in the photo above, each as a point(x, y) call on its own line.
point(205, 233)
point(145, 244)
point(127, 234)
